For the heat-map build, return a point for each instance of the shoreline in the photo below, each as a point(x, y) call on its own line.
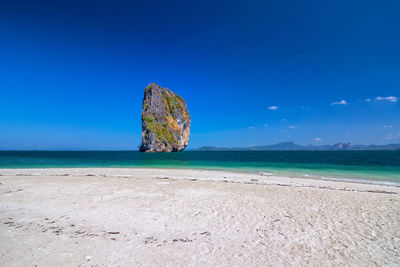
point(184, 217)
point(271, 176)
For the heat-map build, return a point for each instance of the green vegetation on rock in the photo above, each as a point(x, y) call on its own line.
point(165, 120)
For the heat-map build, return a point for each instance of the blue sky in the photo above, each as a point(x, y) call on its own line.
point(72, 73)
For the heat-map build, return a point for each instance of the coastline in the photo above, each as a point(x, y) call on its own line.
point(354, 166)
point(216, 175)
point(124, 216)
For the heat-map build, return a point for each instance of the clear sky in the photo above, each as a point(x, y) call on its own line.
point(72, 73)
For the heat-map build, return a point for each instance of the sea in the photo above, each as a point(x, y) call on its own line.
point(380, 167)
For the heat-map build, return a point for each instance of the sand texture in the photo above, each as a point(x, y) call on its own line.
point(159, 217)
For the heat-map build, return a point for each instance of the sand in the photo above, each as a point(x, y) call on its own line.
point(166, 217)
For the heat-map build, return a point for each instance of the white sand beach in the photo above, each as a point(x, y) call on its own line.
point(169, 217)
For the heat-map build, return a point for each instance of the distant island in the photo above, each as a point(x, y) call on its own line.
point(295, 147)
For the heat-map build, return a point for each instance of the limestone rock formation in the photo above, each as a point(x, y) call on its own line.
point(165, 121)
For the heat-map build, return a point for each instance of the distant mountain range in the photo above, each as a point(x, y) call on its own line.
point(293, 146)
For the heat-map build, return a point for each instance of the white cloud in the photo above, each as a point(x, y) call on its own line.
point(292, 127)
point(266, 125)
point(283, 119)
point(389, 136)
point(318, 139)
point(304, 107)
point(368, 100)
point(387, 126)
point(341, 102)
point(273, 107)
point(251, 127)
point(392, 99)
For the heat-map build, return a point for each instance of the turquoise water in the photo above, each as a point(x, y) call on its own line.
point(378, 166)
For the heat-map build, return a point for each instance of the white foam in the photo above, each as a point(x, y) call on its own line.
point(363, 181)
point(267, 173)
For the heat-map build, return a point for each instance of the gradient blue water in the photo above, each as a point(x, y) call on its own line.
point(365, 165)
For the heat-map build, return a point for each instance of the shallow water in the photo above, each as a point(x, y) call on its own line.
point(378, 166)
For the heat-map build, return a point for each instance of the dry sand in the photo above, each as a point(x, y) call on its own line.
point(158, 217)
